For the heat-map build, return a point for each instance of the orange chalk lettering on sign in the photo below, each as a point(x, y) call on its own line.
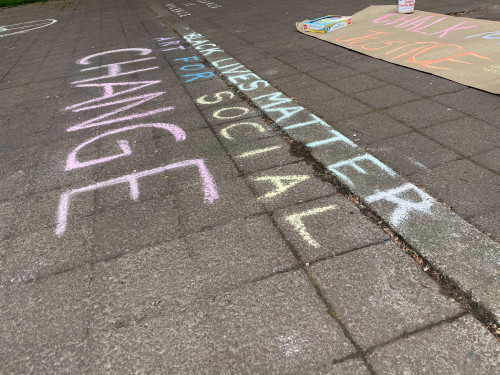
point(450, 58)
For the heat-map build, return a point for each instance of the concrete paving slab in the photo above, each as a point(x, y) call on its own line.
point(491, 117)
point(356, 83)
point(489, 159)
point(231, 334)
point(314, 94)
point(39, 253)
point(298, 81)
point(466, 136)
point(44, 314)
point(384, 97)
point(391, 295)
point(340, 108)
point(236, 200)
point(397, 75)
point(411, 153)
point(470, 101)
point(371, 127)
point(423, 113)
point(288, 185)
point(333, 72)
point(134, 226)
point(459, 347)
point(39, 211)
point(428, 85)
point(326, 227)
point(160, 279)
point(348, 367)
point(65, 359)
point(489, 222)
point(462, 185)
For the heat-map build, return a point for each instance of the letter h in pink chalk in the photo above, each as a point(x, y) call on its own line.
point(208, 183)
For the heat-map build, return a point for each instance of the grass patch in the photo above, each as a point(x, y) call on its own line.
point(10, 3)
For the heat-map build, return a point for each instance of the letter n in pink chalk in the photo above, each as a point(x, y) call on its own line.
point(135, 101)
point(207, 180)
point(73, 163)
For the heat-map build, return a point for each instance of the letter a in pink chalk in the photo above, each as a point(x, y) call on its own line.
point(73, 163)
point(208, 184)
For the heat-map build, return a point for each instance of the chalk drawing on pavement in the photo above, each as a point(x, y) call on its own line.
point(281, 183)
point(113, 94)
point(225, 131)
point(296, 221)
point(252, 153)
point(208, 184)
point(404, 207)
point(24, 27)
point(221, 113)
point(334, 168)
point(219, 97)
point(292, 344)
point(73, 163)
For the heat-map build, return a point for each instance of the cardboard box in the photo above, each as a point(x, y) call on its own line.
point(326, 24)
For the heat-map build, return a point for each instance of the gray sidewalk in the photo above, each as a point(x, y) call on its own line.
point(441, 135)
point(153, 221)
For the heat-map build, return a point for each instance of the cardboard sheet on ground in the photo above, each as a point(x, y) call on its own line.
point(464, 50)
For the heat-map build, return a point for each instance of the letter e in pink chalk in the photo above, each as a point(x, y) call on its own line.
point(207, 180)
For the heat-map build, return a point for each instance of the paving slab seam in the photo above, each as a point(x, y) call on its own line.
point(448, 288)
point(418, 130)
point(458, 249)
point(428, 327)
point(94, 262)
point(359, 350)
point(301, 264)
point(360, 353)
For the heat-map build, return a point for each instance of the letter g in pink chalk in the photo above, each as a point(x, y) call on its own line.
point(208, 184)
point(73, 163)
point(85, 60)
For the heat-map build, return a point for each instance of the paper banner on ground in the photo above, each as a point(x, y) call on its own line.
point(464, 50)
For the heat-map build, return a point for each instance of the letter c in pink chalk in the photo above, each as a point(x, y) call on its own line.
point(73, 163)
point(85, 60)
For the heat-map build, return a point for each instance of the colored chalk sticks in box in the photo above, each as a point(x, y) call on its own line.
point(327, 23)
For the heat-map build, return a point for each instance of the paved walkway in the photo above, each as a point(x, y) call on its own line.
point(154, 221)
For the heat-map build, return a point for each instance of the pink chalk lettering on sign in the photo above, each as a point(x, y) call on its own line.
point(418, 23)
point(208, 184)
point(445, 32)
point(137, 100)
point(109, 91)
point(73, 163)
